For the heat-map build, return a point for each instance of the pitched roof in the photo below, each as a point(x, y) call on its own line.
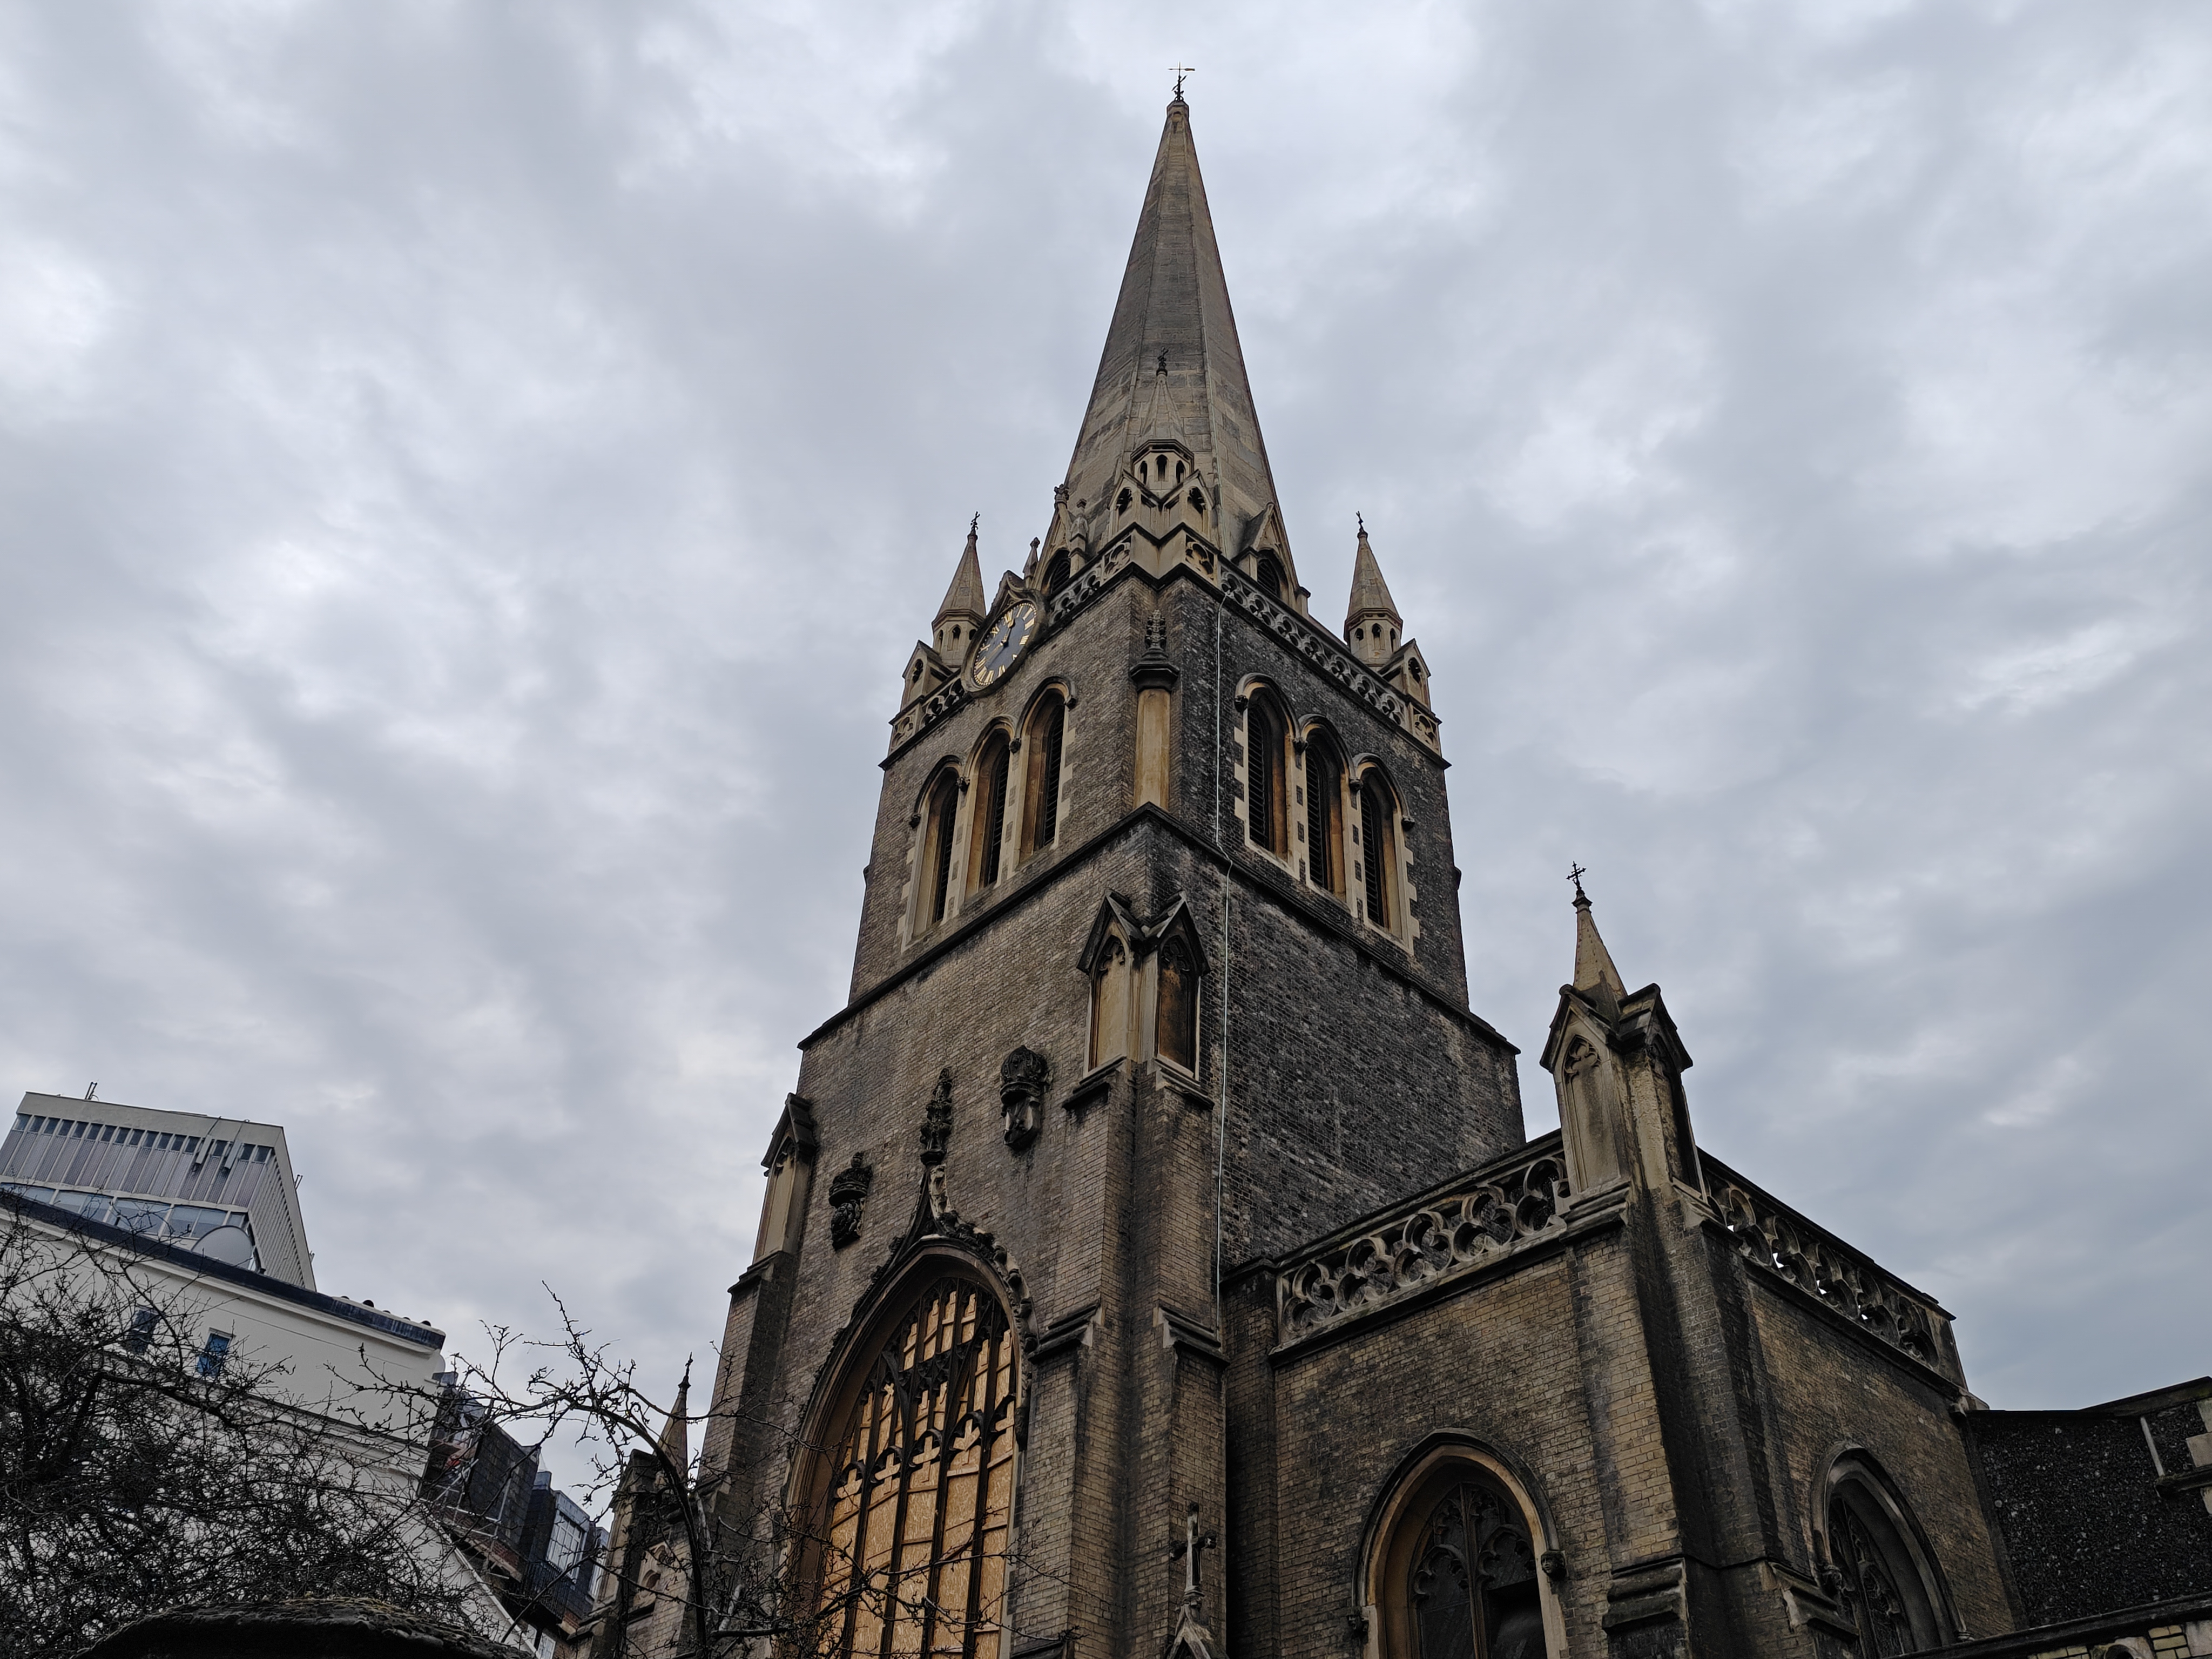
point(1174, 304)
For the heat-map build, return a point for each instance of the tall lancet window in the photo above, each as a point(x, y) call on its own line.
point(1378, 849)
point(913, 1556)
point(1047, 735)
point(1177, 1036)
point(1266, 739)
point(936, 871)
point(989, 830)
point(1324, 816)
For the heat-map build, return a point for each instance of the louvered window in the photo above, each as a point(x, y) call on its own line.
point(1263, 774)
point(1047, 732)
point(1374, 843)
point(1323, 863)
point(991, 814)
point(944, 800)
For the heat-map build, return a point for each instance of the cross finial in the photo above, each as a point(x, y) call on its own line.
point(1576, 875)
point(1164, 362)
point(1181, 69)
point(1194, 1541)
point(973, 522)
point(1362, 517)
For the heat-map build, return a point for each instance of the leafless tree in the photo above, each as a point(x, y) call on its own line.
point(138, 1472)
point(743, 1563)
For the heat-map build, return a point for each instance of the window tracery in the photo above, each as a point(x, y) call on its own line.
point(912, 1557)
point(1459, 1576)
point(1877, 1576)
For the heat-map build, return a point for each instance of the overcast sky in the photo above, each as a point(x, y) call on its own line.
point(469, 475)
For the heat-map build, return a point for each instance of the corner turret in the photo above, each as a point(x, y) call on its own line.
point(1617, 1062)
point(1372, 625)
point(962, 611)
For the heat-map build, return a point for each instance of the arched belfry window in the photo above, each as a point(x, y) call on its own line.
point(989, 833)
point(1056, 572)
point(1378, 849)
point(1268, 571)
point(1884, 1580)
point(1458, 1575)
point(919, 1494)
point(1042, 742)
point(935, 862)
point(1324, 815)
point(1267, 744)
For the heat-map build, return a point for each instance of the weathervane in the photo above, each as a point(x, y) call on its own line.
point(973, 522)
point(1181, 69)
point(1362, 517)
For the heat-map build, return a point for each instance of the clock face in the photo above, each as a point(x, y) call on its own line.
point(996, 653)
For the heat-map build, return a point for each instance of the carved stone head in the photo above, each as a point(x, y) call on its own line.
point(1023, 1082)
point(848, 1192)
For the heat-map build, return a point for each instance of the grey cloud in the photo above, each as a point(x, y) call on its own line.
point(473, 475)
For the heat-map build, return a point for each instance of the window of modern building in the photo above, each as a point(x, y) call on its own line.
point(989, 830)
point(1885, 1585)
point(1267, 756)
point(214, 1353)
point(1042, 742)
point(144, 1324)
point(1176, 1024)
point(919, 1487)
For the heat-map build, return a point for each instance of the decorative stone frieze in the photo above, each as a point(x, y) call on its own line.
point(1495, 1211)
point(1775, 1238)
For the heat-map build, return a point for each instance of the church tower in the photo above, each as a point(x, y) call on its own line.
point(1153, 1261)
point(1159, 973)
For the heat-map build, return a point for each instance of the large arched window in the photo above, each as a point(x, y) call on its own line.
point(1378, 849)
point(1324, 816)
point(1176, 1022)
point(912, 1553)
point(987, 834)
point(1885, 1581)
point(1267, 745)
point(1457, 1575)
point(933, 862)
point(1046, 736)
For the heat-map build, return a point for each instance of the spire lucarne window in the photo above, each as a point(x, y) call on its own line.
point(913, 1556)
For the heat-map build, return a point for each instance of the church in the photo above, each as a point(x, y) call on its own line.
point(1154, 1261)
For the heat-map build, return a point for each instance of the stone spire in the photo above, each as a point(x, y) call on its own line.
point(1371, 623)
point(1594, 969)
point(675, 1437)
point(962, 613)
point(1174, 308)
